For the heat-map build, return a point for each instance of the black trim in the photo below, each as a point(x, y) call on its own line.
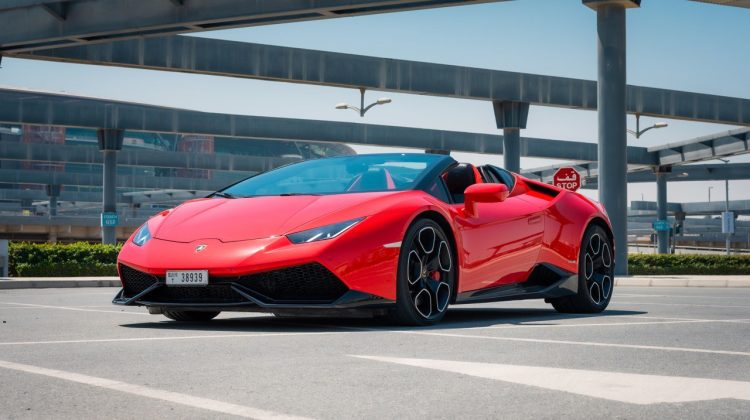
point(350, 300)
point(545, 281)
point(235, 293)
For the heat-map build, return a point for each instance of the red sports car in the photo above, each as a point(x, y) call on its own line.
point(398, 235)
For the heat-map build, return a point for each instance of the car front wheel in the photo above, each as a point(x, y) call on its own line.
point(426, 275)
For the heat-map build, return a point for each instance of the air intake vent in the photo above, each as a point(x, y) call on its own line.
point(134, 281)
point(309, 282)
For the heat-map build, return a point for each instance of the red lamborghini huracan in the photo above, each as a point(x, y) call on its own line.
point(401, 235)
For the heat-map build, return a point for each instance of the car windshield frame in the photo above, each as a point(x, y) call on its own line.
point(400, 176)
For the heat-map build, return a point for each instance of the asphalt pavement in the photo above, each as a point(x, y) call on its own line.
point(656, 353)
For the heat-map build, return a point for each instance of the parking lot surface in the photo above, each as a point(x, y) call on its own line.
point(656, 352)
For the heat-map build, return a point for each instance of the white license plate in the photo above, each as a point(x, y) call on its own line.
point(187, 278)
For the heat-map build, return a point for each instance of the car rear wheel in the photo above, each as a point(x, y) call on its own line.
point(595, 275)
point(426, 275)
point(191, 316)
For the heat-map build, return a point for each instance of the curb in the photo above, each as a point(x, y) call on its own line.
point(61, 282)
point(685, 281)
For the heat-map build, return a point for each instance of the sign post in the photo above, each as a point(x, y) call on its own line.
point(567, 178)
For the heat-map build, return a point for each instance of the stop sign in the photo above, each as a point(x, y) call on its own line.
point(567, 178)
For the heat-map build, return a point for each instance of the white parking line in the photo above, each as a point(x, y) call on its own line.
point(602, 324)
point(71, 308)
point(179, 337)
point(581, 343)
point(617, 386)
point(679, 304)
point(153, 393)
point(743, 298)
point(729, 320)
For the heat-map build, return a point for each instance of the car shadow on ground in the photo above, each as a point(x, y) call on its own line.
point(456, 318)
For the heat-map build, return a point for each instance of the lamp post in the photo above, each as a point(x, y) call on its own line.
point(362, 109)
point(726, 209)
point(638, 132)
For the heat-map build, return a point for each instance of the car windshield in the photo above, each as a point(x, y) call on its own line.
point(362, 173)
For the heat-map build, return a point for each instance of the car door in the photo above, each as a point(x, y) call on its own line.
point(501, 244)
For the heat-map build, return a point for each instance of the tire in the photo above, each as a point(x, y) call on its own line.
point(595, 275)
point(190, 316)
point(426, 275)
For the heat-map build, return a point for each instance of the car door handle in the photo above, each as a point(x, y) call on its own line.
point(535, 219)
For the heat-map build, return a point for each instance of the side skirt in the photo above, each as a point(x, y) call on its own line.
point(545, 282)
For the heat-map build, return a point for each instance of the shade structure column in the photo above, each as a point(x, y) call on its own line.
point(611, 105)
point(662, 236)
point(511, 116)
point(53, 191)
point(110, 141)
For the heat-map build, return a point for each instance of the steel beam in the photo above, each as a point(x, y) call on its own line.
point(685, 173)
point(256, 61)
point(701, 208)
point(735, 3)
point(727, 143)
point(34, 107)
point(26, 27)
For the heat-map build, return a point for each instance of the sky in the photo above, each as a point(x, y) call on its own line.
point(673, 44)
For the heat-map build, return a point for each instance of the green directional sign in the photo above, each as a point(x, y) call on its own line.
point(110, 219)
point(662, 225)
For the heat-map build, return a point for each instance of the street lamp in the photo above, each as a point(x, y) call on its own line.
point(638, 132)
point(726, 209)
point(362, 109)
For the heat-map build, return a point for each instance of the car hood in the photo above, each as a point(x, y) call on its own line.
point(242, 219)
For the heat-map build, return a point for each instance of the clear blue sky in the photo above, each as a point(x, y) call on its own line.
point(673, 44)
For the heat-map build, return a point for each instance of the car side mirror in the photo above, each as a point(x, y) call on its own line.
point(483, 193)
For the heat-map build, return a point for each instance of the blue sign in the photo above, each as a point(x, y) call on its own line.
point(662, 225)
point(110, 219)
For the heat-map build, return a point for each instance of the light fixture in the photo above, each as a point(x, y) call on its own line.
point(362, 109)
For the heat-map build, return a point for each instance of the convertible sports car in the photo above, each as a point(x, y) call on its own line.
point(397, 235)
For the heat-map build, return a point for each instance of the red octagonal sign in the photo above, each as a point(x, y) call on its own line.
point(567, 178)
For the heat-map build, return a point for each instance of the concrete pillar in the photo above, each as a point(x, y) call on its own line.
point(512, 149)
point(511, 116)
point(612, 157)
point(110, 141)
point(661, 206)
point(53, 191)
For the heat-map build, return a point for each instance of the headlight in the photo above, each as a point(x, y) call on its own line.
point(322, 233)
point(142, 235)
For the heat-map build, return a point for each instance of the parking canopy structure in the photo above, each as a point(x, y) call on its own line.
point(111, 32)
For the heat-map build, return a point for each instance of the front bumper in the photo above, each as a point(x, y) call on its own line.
point(307, 286)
